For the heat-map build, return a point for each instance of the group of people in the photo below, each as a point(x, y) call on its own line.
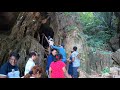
point(56, 64)
point(11, 70)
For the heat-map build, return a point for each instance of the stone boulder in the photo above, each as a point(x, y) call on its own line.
point(116, 56)
point(26, 45)
point(114, 42)
point(99, 60)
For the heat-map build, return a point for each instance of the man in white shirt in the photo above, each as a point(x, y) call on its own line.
point(30, 63)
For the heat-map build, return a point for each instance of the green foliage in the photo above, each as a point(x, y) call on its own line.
point(99, 26)
point(67, 13)
point(106, 70)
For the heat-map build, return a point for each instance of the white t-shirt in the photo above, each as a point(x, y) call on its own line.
point(51, 42)
point(14, 74)
point(76, 62)
point(29, 65)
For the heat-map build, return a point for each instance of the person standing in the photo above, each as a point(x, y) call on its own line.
point(62, 51)
point(50, 58)
point(57, 68)
point(76, 62)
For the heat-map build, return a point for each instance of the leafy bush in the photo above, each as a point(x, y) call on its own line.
point(98, 26)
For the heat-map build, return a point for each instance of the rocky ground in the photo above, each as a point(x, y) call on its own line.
point(113, 73)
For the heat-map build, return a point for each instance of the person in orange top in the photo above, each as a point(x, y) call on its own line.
point(36, 72)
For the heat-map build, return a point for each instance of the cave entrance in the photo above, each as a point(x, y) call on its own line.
point(7, 20)
point(45, 31)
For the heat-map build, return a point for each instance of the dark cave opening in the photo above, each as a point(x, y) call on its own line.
point(7, 20)
point(47, 31)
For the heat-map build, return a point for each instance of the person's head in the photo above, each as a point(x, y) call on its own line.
point(35, 72)
point(58, 57)
point(71, 52)
point(33, 55)
point(13, 58)
point(54, 51)
point(74, 48)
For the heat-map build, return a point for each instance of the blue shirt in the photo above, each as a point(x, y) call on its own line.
point(10, 71)
point(62, 52)
point(50, 58)
point(76, 62)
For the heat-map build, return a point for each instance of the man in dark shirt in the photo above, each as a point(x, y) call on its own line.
point(10, 68)
point(50, 58)
point(62, 51)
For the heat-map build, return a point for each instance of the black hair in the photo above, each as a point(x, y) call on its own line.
point(75, 48)
point(63, 45)
point(58, 57)
point(15, 54)
point(54, 49)
point(32, 53)
point(71, 51)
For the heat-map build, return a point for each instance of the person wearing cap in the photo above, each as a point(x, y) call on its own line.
point(10, 68)
point(30, 63)
point(61, 51)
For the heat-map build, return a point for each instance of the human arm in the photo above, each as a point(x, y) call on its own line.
point(45, 37)
point(66, 73)
point(50, 72)
point(3, 71)
point(73, 57)
point(3, 76)
point(69, 59)
point(56, 47)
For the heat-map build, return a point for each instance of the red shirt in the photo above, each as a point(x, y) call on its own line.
point(57, 69)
